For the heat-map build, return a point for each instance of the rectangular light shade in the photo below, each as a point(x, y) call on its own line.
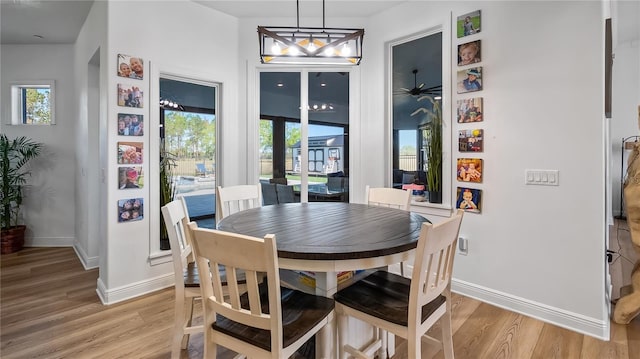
point(310, 46)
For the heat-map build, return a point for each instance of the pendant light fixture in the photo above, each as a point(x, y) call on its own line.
point(310, 45)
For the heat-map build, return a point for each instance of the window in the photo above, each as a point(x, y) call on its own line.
point(32, 103)
point(416, 65)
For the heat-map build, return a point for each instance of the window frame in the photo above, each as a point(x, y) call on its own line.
point(17, 101)
point(447, 132)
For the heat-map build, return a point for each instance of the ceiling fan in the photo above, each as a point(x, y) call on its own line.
point(420, 90)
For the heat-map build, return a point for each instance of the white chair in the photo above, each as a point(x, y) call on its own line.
point(187, 283)
point(232, 199)
point(389, 197)
point(402, 306)
point(265, 322)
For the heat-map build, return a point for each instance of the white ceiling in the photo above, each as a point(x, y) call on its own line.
point(59, 22)
point(285, 8)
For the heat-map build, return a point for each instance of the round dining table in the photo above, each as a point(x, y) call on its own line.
point(331, 237)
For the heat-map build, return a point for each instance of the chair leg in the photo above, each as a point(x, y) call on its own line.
point(414, 346)
point(210, 347)
point(447, 335)
point(343, 334)
point(188, 317)
point(384, 336)
point(178, 331)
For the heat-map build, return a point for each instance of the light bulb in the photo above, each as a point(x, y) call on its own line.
point(328, 51)
point(275, 48)
point(346, 50)
point(312, 46)
point(315, 107)
point(293, 50)
point(324, 106)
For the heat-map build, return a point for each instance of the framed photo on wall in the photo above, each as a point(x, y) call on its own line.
point(469, 53)
point(470, 80)
point(130, 210)
point(468, 24)
point(470, 170)
point(471, 140)
point(130, 177)
point(130, 124)
point(130, 153)
point(469, 199)
point(130, 67)
point(470, 110)
point(130, 96)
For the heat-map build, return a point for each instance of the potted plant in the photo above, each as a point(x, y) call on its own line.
point(167, 189)
point(433, 135)
point(15, 154)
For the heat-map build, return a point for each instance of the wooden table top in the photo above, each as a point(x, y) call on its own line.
point(330, 231)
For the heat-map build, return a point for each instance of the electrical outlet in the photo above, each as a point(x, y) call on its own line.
point(463, 246)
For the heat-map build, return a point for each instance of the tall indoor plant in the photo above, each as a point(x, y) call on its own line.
point(15, 155)
point(433, 134)
point(167, 188)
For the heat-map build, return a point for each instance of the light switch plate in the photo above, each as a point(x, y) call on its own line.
point(542, 177)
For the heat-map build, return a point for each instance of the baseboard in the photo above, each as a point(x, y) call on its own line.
point(87, 262)
point(48, 241)
point(115, 295)
point(560, 317)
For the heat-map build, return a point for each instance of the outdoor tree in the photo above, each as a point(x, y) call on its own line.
point(266, 138)
point(37, 105)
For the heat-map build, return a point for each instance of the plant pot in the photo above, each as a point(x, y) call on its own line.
point(435, 197)
point(12, 239)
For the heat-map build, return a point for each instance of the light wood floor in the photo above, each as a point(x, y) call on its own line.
point(49, 309)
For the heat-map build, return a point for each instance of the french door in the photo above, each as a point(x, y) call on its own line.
point(304, 132)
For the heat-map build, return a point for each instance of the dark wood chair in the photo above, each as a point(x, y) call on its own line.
point(402, 306)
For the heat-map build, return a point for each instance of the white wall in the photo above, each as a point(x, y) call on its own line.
point(48, 207)
point(534, 249)
point(90, 120)
point(181, 38)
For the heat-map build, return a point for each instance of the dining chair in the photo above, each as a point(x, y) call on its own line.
point(234, 199)
point(279, 180)
point(187, 283)
point(269, 194)
point(402, 306)
point(268, 321)
point(285, 194)
point(389, 197)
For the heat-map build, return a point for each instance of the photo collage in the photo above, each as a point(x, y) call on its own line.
point(130, 123)
point(469, 111)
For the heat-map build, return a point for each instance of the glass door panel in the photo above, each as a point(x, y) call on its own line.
point(279, 135)
point(328, 114)
point(305, 163)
